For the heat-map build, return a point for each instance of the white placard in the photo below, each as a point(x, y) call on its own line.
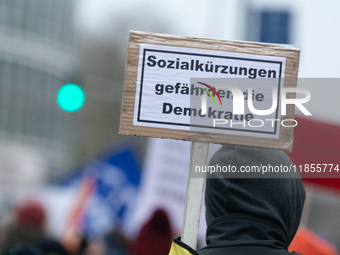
point(163, 82)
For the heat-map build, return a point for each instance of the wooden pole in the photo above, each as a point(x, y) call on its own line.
point(194, 195)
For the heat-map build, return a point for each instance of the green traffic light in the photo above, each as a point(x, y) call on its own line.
point(71, 97)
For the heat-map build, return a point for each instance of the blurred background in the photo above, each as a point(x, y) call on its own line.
point(97, 188)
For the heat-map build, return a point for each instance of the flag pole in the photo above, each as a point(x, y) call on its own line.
point(194, 194)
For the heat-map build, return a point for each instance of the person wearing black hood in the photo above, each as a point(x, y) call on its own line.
point(250, 213)
point(248, 216)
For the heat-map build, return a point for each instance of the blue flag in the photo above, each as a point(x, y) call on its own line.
point(116, 176)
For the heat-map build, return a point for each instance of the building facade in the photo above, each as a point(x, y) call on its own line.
point(37, 56)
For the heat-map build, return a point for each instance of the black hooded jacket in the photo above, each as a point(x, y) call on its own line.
point(252, 215)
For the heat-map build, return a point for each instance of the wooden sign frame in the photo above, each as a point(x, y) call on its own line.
point(291, 54)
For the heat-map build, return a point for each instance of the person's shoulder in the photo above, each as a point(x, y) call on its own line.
point(180, 248)
point(245, 250)
point(48, 245)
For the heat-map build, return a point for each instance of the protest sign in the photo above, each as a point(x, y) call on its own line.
point(160, 100)
point(167, 80)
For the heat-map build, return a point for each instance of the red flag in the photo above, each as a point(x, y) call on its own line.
point(317, 142)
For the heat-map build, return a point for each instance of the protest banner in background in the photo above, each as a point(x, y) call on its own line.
point(164, 182)
point(96, 198)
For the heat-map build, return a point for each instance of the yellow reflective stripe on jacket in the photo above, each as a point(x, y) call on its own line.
point(179, 248)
